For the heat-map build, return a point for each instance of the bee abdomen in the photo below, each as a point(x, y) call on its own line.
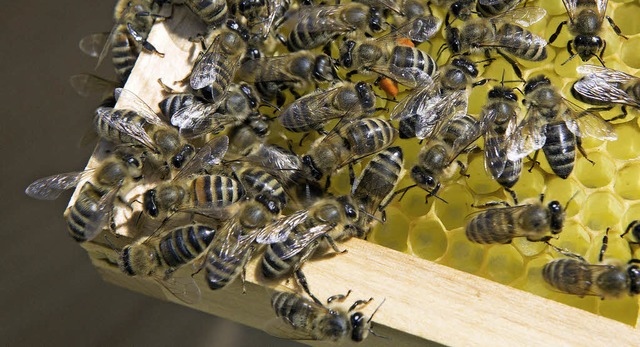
point(124, 53)
point(83, 212)
point(172, 103)
point(410, 57)
point(273, 266)
point(560, 149)
point(292, 307)
point(371, 135)
point(212, 12)
point(259, 182)
point(216, 191)
point(569, 276)
point(184, 244)
point(491, 226)
point(521, 43)
point(220, 272)
point(510, 174)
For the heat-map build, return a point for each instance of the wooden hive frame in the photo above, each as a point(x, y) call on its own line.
point(426, 303)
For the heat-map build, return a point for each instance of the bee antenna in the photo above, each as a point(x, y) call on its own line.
point(387, 99)
point(370, 215)
point(376, 310)
point(111, 244)
point(266, 103)
point(574, 55)
point(570, 199)
point(440, 51)
point(502, 79)
point(599, 59)
point(439, 198)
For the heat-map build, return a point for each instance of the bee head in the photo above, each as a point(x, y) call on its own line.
point(359, 326)
point(250, 95)
point(503, 93)
point(587, 46)
point(556, 216)
point(453, 39)
point(185, 153)
point(461, 9)
point(467, 66)
point(425, 179)
point(239, 29)
point(633, 272)
point(258, 124)
point(313, 170)
point(535, 83)
point(366, 95)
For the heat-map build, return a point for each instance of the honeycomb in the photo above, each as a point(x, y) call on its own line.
point(607, 194)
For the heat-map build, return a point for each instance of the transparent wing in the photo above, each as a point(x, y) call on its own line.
point(277, 67)
point(417, 100)
point(103, 215)
point(596, 88)
point(183, 288)
point(50, 188)
point(422, 29)
point(303, 240)
point(206, 157)
point(87, 85)
point(94, 44)
point(609, 75)
point(447, 108)
point(132, 129)
point(285, 329)
point(504, 214)
point(387, 4)
point(524, 16)
point(409, 76)
point(528, 137)
point(134, 102)
point(495, 153)
point(584, 123)
point(280, 229)
point(321, 103)
point(601, 6)
point(514, 44)
point(326, 18)
point(512, 4)
point(207, 70)
point(571, 6)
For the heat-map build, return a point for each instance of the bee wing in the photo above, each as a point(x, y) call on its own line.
point(609, 75)
point(184, 289)
point(104, 210)
point(524, 16)
point(529, 136)
point(199, 119)
point(50, 188)
point(87, 84)
point(417, 100)
point(597, 88)
point(134, 102)
point(495, 153)
point(325, 17)
point(305, 239)
point(571, 7)
point(447, 108)
point(512, 4)
point(131, 129)
point(278, 67)
point(585, 123)
point(504, 211)
point(273, 7)
point(206, 157)
point(411, 77)
point(320, 102)
point(419, 29)
point(206, 71)
point(93, 44)
point(601, 6)
point(279, 230)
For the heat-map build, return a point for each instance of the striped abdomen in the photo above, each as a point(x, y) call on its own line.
point(105, 125)
point(273, 264)
point(258, 181)
point(521, 43)
point(296, 310)
point(308, 33)
point(174, 102)
point(124, 52)
point(492, 226)
point(560, 148)
point(460, 130)
point(368, 136)
point(184, 244)
point(511, 173)
point(222, 268)
point(215, 191)
point(212, 12)
point(568, 275)
point(84, 216)
point(379, 179)
point(410, 57)
point(496, 8)
point(299, 117)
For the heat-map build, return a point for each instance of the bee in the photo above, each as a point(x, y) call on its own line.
point(585, 23)
point(213, 13)
point(500, 115)
point(498, 33)
point(134, 19)
point(460, 9)
point(554, 125)
point(295, 71)
point(346, 144)
point(388, 56)
point(315, 26)
point(423, 22)
point(158, 257)
point(310, 320)
point(493, 8)
point(373, 190)
point(213, 74)
point(262, 13)
point(442, 149)
point(328, 219)
point(536, 222)
point(425, 108)
point(257, 181)
point(255, 222)
point(603, 87)
point(93, 207)
point(313, 111)
point(608, 280)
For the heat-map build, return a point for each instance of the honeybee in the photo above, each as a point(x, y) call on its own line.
point(313, 111)
point(608, 280)
point(554, 125)
point(134, 19)
point(493, 8)
point(346, 144)
point(158, 257)
point(426, 107)
point(373, 190)
point(255, 222)
point(500, 115)
point(213, 74)
point(332, 219)
point(92, 210)
point(296, 71)
point(460, 9)
point(585, 23)
point(257, 181)
point(603, 87)
point(262, 13)
point(310, 320)
point(481, 35)
point(442, 149)
point(388, 56)
point(315, 26)
point(212, 12)
point(536, 222)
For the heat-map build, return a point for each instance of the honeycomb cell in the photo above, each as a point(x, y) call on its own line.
point(457, 206)
point(533, 281)
point(573, 238)
point(428, 239)
point(629, 52)
point(480, 182)
point(624, 310)
point(627, 146)
point(393, 235)
point(530, 185)
point(462, 254)
point(413, 203)
point(628, 182)
point(595, 175)
point(504, 264)
point(565, 191)
point(528, 248)
point(602, 210)
point(565, 67)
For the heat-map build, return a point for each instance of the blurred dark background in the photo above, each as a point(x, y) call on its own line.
point(50, 294)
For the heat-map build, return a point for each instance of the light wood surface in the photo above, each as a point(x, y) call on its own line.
point(426, 303)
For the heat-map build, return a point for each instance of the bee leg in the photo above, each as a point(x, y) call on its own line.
point(359, 303)
point(481, 82)
point(333, 245)
point(620, 116)
point(631, 225)
point(338, 297)
point(349, 74)
point(327, 184)
point(491, 204)
point(566, 252)
point(605, 244)
point(599, 56)
point(402, 191)
point(558, 29)
point(141, 40)
point(513, 195)
point(616, 28)
point(295, 94)
point(584, 153)
point(301, 279)
point(534, 160)
point(352, 175)
point(463, 169)
point(513, 64)
point(243, 274)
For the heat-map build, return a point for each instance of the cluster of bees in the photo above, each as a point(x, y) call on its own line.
point(254, 198)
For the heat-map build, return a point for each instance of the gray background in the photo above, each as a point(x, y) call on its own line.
point(50, 294)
